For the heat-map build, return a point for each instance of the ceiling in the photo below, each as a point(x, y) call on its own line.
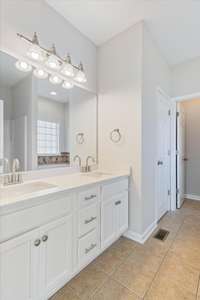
point(174, 24)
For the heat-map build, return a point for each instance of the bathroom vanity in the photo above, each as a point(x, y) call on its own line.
point(53, 228)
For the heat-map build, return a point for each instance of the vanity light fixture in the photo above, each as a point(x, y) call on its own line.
point(68, 69)
point(35, 52)
point(55, 79)
point(40, 73)
point(52, 60)
point(80, 76)
point(67, 85)
point(23, 66)
point(48, 62)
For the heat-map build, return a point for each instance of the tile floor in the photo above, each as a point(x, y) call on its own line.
point(168, 270)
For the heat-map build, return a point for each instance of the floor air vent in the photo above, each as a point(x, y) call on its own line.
point(161, 234)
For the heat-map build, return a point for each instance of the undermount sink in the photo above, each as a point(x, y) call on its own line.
point(25, 188)
point(97, 174)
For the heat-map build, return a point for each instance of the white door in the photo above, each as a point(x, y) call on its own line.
point(1, 136)
point(56, 239)
point(19, 267)
point(20, 141)
point(163, 156)
point(180, 155)
point(121, 213)
point(108, 226)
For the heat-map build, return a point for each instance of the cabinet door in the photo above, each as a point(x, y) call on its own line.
point(19, 265)
point(108, 225)
point(57, 245)
point(121, 213)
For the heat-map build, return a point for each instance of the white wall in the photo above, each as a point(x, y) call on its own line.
point(156, 73)
point(82, 119)
point(24, 104)
point(119, 85)
point(130, 68)
point(6, 96)
point(54, 111)
point(192, 146)
point(185, 78)
point(28, 16)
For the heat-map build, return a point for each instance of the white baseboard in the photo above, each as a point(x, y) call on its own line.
point(192, 197)
point(141, 238)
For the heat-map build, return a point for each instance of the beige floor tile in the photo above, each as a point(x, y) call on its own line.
point(86, 283)
point(164, 290)
point(112, 290)
point(123, 247)
point(133, 277)
point(174, 281)
point(145, 260)
point(66, 293)
point(108, 261)
point(188, 251)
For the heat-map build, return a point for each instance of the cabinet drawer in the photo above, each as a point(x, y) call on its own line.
point(111, 189)
point(88, 218)
point(88, 197)
point(88, 246)
point(22, 221)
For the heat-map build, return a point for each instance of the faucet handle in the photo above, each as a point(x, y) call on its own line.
point(15, 165)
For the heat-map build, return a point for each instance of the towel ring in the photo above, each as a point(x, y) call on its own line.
point(80, 138)
point(115, 135)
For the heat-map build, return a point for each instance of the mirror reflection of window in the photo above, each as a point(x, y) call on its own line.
point(48, 136)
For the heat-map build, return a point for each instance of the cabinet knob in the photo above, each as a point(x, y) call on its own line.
point(45, 238)
point(37, 242)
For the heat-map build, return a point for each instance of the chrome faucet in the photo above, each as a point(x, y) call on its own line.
point(14, 177)
point(88, 168)
point(79, 159)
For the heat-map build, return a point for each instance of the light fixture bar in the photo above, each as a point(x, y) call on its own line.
point(49, 52)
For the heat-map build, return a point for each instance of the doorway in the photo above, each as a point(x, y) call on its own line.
point(188, 151)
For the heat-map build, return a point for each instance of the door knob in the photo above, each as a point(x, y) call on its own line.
point(160, 163)
point(185, 159)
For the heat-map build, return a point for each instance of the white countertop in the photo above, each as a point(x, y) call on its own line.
point(11, 200)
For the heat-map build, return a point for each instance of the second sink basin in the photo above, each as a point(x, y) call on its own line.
point(97, 174)
point(25, 188)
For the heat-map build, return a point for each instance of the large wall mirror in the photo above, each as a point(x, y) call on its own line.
point(41, 124)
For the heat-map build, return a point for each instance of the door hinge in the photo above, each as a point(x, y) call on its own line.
point(169, 112)
point(177, 114)
point(169, 152)
point(169, 193)
point(177, 152)
point(177, 191)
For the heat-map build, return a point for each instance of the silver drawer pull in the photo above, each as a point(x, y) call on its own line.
point(45, 238)
point(90, 197)
point(37, 242)
point(118, 202)
point(90, 220)
point(87, 250)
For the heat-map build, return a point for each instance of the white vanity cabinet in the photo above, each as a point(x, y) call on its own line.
point(114, 212)
point(19, 264)
point(44, 245)
point(56, 255)
point(34, 265)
